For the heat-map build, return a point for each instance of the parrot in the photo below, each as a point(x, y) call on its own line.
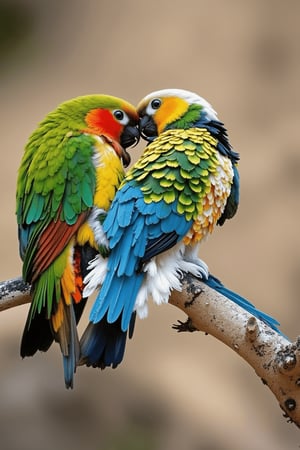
point(185, 182)
point(151, 126)
point(72, 166)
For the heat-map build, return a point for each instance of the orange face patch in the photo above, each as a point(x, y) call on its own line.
point(102, 121)
point(171, 109)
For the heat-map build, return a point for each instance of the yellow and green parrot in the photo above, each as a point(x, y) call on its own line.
point(185, 183)
point(69, 174)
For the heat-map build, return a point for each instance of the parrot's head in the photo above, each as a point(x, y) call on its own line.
point(172, 108)
point(104, 115)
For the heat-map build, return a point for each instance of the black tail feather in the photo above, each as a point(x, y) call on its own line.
point(103, 344)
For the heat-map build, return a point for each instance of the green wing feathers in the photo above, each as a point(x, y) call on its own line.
point(56, 176)
point(180, 163)
point(56, 185)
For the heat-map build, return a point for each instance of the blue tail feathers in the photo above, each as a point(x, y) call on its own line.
point(216, 284)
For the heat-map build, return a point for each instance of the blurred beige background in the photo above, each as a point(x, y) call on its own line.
point(172, 391)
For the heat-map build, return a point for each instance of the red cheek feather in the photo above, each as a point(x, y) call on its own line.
point(101, 121)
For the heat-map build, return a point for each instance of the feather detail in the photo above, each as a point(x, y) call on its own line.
point(96, 272)
point(66, 335)
point(77, 289)
point(52, 242)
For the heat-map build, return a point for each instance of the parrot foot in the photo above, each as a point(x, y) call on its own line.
point(196, 267)
point(186, 326)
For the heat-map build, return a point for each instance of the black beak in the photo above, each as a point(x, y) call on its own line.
point(148, 128)
point(130, 136)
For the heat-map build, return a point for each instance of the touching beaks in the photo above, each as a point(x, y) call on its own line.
point(148, 128)
point(130, 136)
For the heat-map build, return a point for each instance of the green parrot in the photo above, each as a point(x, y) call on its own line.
point(69, 174)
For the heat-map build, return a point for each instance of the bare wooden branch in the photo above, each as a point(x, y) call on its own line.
point(273, 357)
point(13, 293)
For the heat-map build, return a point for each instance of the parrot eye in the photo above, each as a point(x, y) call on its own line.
point(155, 104)
point(121, 116)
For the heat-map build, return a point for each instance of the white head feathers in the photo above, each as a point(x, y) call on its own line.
point(188, 96)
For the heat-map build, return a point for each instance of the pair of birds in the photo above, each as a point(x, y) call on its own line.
point(85, 225)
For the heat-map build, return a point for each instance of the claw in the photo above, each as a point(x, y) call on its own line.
point(181, 327)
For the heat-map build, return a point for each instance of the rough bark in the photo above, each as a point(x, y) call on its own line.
point(273, 357)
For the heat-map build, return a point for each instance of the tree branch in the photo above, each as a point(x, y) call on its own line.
point(13, 293)
point(273, 357)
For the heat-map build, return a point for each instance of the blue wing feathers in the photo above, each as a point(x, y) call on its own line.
point(145, 208)
point(110, 224)
point(130, 291)
point(118, 301)
point(124, 214)
point(136, 231)
point(125, 303)
point(151, 220)
point(119, 289)
point(127, 192)
point(122, 259)
point(177, 223)
point(139, 248)
point(163, 211)
point(100, 306)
